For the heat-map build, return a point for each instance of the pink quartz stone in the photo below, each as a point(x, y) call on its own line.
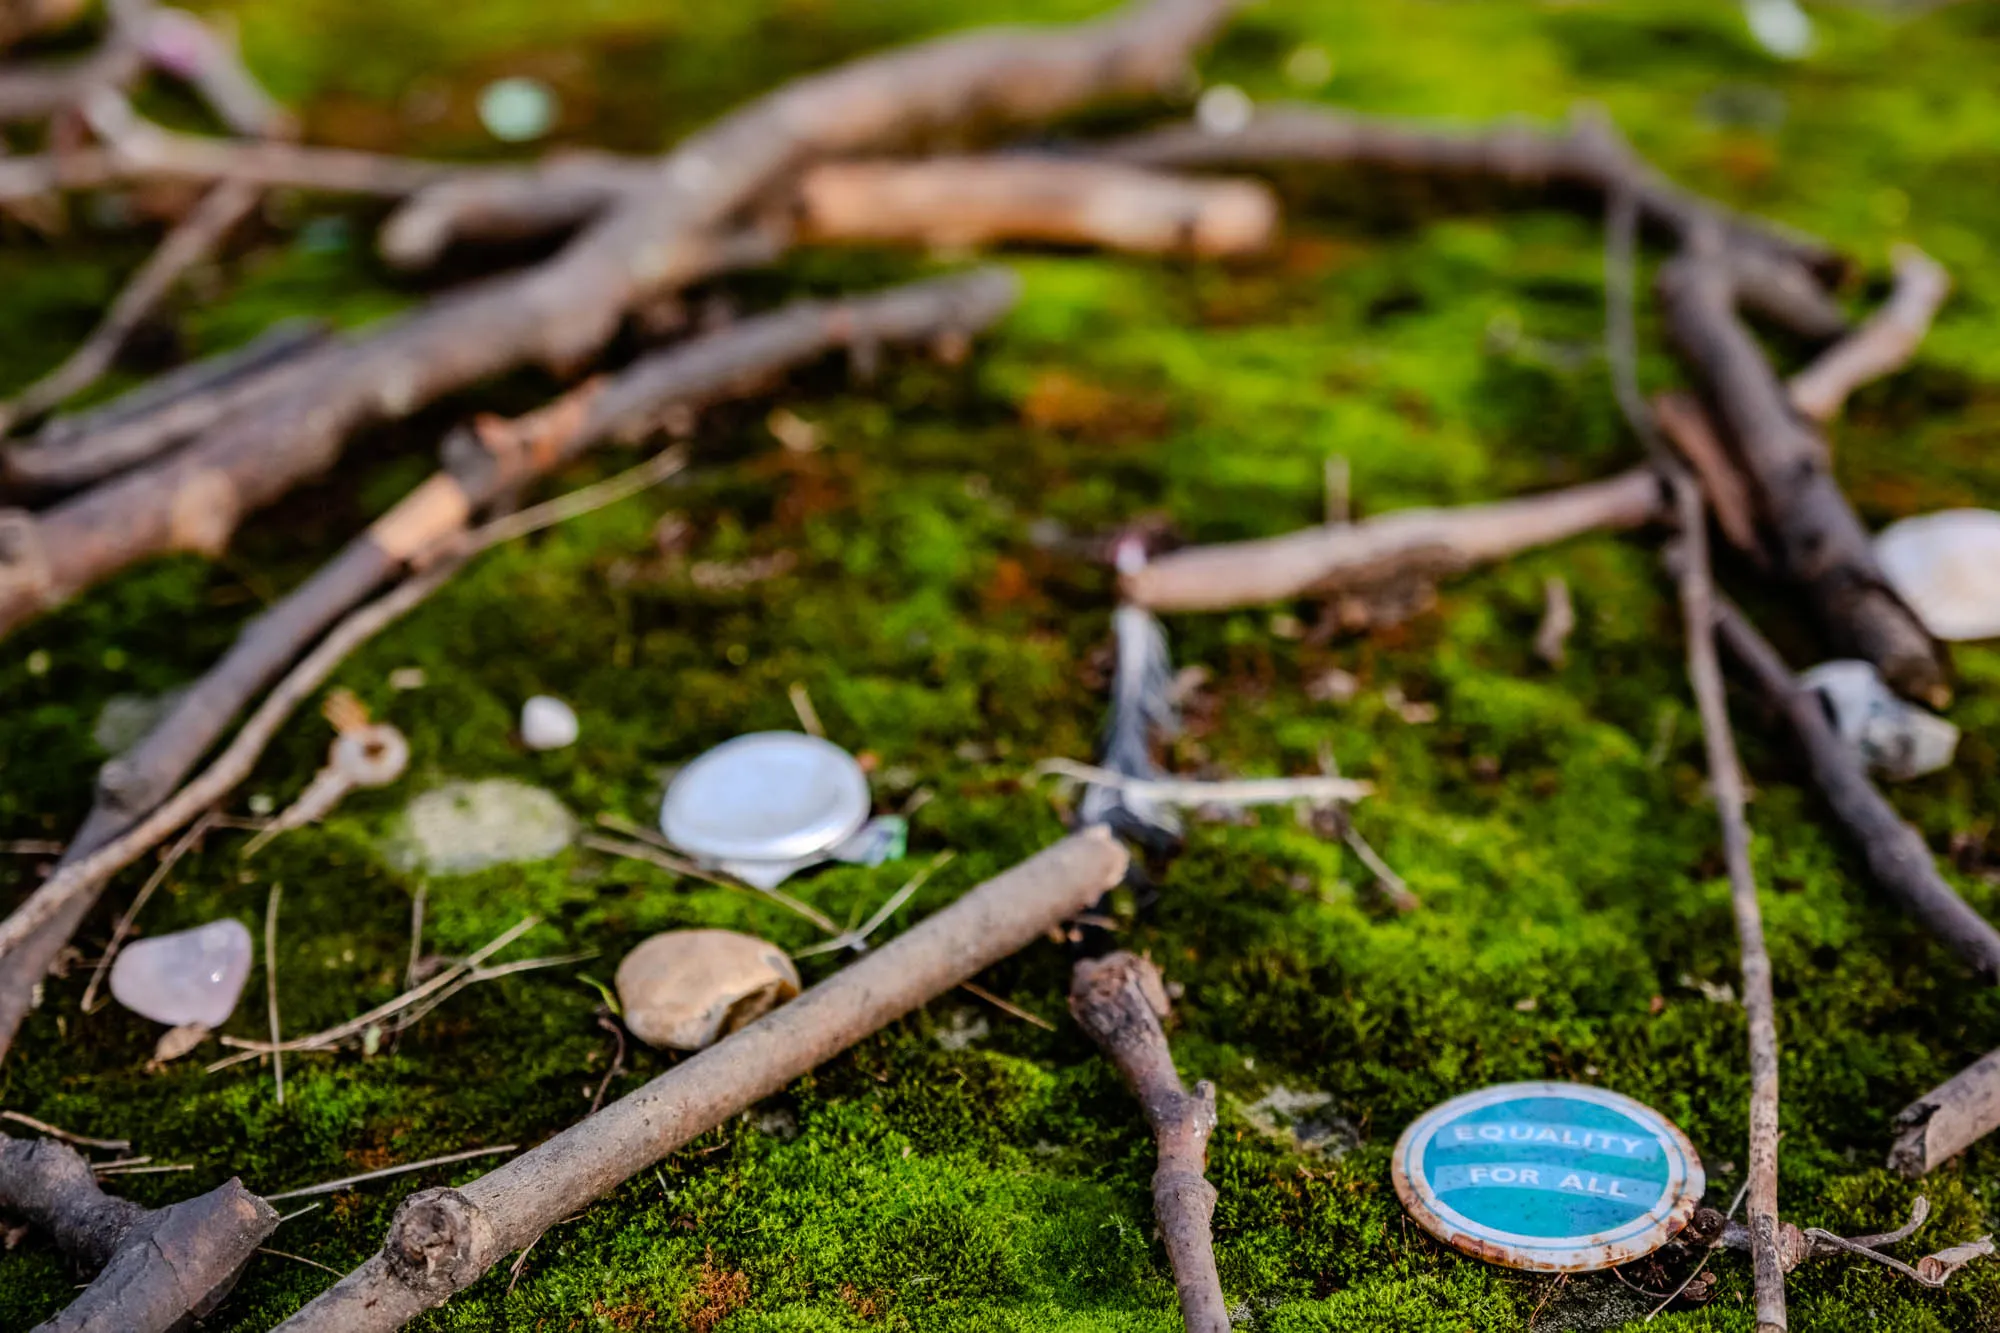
point(190, 976)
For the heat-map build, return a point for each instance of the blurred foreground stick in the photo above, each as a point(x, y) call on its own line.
point(1120, 1002)
point(562, 311)
point(442, 1240)
point(1421, 543)
point(155, 1268)
point(495, 457)
point(944, 202)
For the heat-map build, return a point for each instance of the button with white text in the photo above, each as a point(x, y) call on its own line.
point(1554, 1177)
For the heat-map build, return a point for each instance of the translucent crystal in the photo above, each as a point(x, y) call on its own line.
point(1895, 738)
point(190, 976)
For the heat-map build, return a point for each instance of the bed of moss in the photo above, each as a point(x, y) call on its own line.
point(964, 1170)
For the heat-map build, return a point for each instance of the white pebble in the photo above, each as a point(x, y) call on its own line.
point(1780, 27)
point(1224, 109)
point(517, 110)
point(547, 723)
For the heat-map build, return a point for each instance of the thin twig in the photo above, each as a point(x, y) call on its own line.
point(348, 1182)
point(1006, 1006)
point(354, 1027)
point(1724, 768)
point(857, 938)
point(81, 1140)
point(271, 989)
point(298, 1258)
point(416, 935)
point(1192, 792)
point(617, 1031)
point(665, 860)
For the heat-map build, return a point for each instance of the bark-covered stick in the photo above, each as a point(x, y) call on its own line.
point(1896, 853)
point(562, 311)
point(1429, 543)
point(1725, 780)
point(1947, 1120)
point(1778, 264)
point(1882, 345)
point(442, 1240)
point(1120, 1002)
point(938, 201)
point(155, 1269)
point(1821, 544)
point(970, 201)
point(482, 464)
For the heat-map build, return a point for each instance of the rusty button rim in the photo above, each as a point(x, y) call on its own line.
point(1679, 1197)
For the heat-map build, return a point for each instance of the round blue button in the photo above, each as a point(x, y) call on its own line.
point(1555, 1177)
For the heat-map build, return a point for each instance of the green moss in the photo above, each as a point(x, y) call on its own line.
point(1552, 820)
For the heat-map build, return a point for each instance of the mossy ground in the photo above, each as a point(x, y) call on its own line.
point(1553, 821)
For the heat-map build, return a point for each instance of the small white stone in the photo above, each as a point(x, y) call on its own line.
point(547, 723)
point(1947, 567)
point(1224, 109)
point(1893, 737)
point(1780, 27)
point(190, 976)
point(686, 989)
point(518, 109)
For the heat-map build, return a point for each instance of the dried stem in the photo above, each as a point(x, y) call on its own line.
point(1426, 543)
point(442, 1240)
point(1725, 776)
point(271, 990)
point(155, 1268)
point(348, 1182)
point(1120, 1002)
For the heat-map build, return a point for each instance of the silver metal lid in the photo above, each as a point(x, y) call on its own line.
point(768, 796)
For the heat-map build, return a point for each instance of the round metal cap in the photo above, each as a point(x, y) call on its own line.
point(768, 796)
point(1552, 1177)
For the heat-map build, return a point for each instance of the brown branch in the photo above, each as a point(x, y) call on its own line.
point(1585, 154)
point(1120, 1002)
point(972, 201)
point(1725, 776)
point(1896, 853)
point(1423, 542)
point(942, 201)
point(1883, 344)
point(481, 465)
point(191, 241)
point(1797, 1246)
point(155, 1268)
point(1948, 1119)
point(442, 1240)
point(1684, 422)
point(1821, 544)
point(562, 311)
